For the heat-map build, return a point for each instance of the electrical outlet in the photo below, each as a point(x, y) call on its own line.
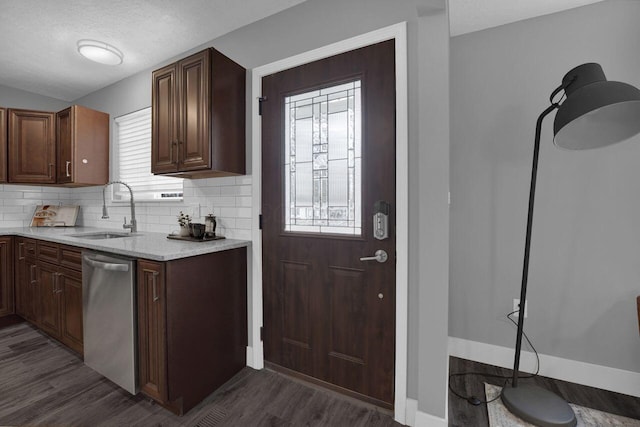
point(516, 306)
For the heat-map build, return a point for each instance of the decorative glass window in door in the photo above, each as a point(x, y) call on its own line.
point(323, 161)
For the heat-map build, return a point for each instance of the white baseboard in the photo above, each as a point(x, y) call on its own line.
point(416, 418)
point(255, 358)
point(604, 377)
point(412, 409)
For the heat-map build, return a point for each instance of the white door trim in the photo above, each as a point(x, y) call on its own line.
point(398, 32)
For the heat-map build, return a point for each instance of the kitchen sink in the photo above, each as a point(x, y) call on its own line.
point(102, 235)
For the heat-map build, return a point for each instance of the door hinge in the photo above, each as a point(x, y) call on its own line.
point(260, 221)
point(261, 333)
point(260, 101)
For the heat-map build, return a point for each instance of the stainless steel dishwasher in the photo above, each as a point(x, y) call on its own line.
point(109, 313)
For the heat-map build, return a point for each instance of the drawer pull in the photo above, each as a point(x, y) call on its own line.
point(154, 285)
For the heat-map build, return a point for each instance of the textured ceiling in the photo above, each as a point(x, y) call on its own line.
point(38, 43)
point(466, 16)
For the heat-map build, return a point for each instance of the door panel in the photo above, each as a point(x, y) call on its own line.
point(64, 144)
point(164, 134)
point(31, 147)
point(49, 298)
point(3, 145)
point(296, 301)
point(6, 277)
point(194, 92)
point(70, 283)
point(328, 154)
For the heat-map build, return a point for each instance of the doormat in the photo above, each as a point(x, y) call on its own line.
point(499, 415)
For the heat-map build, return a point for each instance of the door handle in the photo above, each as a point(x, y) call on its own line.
point(106, 265)
point(56, 283)
point(66, 168)
point(380, 256)
point(153, 285)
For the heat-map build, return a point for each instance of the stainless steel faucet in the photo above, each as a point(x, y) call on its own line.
point(133, 225)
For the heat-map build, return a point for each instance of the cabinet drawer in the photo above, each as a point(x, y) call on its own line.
point(48, 251)
point(25, 247)
point(70, 257)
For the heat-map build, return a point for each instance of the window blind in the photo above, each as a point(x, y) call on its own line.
point(134, 161)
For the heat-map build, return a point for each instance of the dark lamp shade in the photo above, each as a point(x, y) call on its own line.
point(596, 112)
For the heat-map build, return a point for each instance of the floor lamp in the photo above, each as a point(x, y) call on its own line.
point(595, 113)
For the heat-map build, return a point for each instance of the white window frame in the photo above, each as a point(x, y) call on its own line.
point(119, 194)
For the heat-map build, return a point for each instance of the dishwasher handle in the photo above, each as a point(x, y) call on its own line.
point(106, 265)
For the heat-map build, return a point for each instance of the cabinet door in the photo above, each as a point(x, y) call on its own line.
point(195, 97)
point(164, 126)
point(64, 145)
point(26, 283)
point(6, 276)
point(31, 147)
point(82, 141)
point(3, 145)
point(49, 283)
point(152, 347)
point(70, 283)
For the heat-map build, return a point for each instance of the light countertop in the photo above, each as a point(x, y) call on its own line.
point(148, 245)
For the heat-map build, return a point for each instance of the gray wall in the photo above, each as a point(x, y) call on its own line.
point(316, 23)
point(584, 273)
point(16, 98)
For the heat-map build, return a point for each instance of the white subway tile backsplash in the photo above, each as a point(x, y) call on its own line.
point(37, 195)
point(217, 202)
point(243, 223)
point(22, 202)
point(244, 180)
point(229, 198)
point(243, 201)
point(26, 188)
point(11, 209)
point(227, 180)
point(11, 195)
point(12, 223)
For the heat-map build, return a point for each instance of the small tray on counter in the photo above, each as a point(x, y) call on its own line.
point(194, 239)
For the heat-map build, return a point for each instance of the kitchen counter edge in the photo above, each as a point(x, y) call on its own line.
point(147, 245)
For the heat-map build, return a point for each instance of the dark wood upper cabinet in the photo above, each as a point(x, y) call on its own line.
point(31, 147)
point(82, 140)
point(3, 145)
point(198, 117)
point(69, 148)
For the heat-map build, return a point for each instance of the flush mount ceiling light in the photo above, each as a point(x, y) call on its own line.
point(101, 52)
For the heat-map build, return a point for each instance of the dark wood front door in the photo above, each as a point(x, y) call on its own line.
point(328, 159)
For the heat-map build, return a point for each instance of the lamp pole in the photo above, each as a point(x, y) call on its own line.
point(527, 244)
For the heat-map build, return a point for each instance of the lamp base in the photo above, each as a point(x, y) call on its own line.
point(538, 406)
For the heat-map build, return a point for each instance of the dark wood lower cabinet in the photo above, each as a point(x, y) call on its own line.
point(192, 326)
point(152, 329)
point(70, 286)
point(27, 293)
point(48, 287)
point(47, 275)
point(7, 305)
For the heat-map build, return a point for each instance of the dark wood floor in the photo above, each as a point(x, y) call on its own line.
point(43, 383)
point(463, 414)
